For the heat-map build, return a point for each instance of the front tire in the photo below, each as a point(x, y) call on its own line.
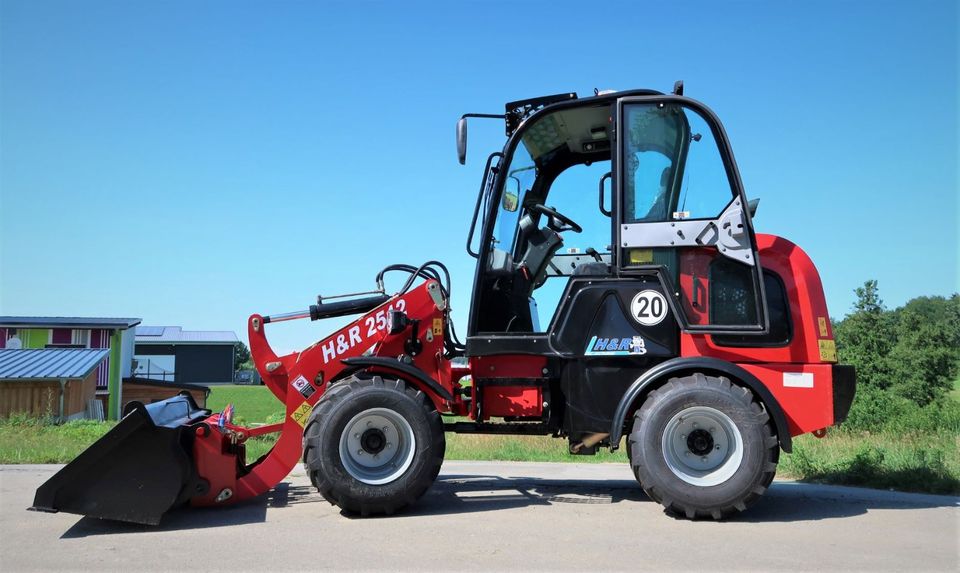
point(373, 446)
point(703, 447)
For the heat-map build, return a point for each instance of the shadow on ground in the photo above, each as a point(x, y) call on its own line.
point(252, 511)
point(470, 494)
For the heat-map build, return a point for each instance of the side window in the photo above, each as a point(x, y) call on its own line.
point(672, 165)
point(683, 211)
point(704, 187)
point(781, 326)
point(521, 175)
point(574, 193)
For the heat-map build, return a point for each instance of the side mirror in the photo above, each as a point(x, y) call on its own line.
point(510, 201)
point(462, 140)
point(511, 197)
point(752, 205)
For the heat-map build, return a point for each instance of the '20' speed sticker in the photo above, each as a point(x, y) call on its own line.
point(649, 307)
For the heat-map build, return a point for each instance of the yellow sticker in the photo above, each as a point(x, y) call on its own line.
point(640, 256)
point(437, 326)
point(301, 414)
point(828, 351)
point(823, 326)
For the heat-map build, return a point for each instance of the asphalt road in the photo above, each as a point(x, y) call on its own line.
point(495, 516)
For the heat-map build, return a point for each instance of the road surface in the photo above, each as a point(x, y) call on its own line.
point(494, 516)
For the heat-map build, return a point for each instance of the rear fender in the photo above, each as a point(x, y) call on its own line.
point(653, 378)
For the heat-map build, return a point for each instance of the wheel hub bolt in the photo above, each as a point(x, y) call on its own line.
point(359, 452)
point(384, 429)
point(717, 447)
point(695, 425)
point(703, 459)
point(357, 435)
point(712, 430)
point(389, 445)
point(683, 436)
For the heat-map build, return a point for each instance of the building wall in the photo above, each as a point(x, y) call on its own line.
point(100, 338)
point(127, 345)
point(42, 397)
point(195, 363)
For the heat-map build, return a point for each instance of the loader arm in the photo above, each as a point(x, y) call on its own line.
point(114, 480)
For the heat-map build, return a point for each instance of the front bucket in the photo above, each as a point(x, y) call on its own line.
point(136, 471)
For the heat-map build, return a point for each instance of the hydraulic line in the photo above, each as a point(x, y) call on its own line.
point(430, 270)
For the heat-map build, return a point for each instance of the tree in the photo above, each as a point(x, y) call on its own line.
point(925, 360)
point(241, 357)
point(866, 336)
point(912, 352)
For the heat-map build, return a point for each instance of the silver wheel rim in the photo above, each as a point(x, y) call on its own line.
point(702, 446)
point(377, 446)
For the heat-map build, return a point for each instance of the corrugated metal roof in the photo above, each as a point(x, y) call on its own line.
point(176, 335)
point(66, 322)
point(49, 363)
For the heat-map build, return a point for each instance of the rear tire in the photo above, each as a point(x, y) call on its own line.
point(373, 446)
point(703, 447)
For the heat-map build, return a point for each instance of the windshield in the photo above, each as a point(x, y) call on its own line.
point(521, 174)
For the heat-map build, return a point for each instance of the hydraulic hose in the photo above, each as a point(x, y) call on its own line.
point(430, 270)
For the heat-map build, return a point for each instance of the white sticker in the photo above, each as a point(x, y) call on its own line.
point(649, 307)
point(798, 379)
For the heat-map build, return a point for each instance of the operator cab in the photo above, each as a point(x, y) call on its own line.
point(615, 186)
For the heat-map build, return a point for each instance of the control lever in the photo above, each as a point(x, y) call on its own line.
point(593, 253)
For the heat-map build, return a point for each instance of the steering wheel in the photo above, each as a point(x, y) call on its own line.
point(557, 221)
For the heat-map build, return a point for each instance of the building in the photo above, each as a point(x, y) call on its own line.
point(57, 382)
point(149, 391)
point(113, 334)
point(171, 354)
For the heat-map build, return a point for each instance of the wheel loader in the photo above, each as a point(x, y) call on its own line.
point(621, 299)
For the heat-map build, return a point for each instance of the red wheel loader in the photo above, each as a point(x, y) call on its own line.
point(621, 299)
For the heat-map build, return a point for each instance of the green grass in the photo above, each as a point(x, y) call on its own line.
point(955, 393)
point(26, 440)
point(922, 461)
point(927, 461)
point(520, 449)
point(252, 404)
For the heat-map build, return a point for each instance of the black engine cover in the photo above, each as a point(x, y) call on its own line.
point(607, 346)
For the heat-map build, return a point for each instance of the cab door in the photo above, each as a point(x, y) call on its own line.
point(681, 208)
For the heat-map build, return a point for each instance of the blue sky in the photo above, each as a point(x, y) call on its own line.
point(193, 162)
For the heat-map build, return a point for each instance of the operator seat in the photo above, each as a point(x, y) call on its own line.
point(592, 269)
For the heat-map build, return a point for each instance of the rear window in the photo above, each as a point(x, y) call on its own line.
point(726, 300)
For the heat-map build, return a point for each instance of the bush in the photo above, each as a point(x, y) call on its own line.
point(876, 410)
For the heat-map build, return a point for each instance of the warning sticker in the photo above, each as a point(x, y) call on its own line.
point(822, 323)
point(828, 350)
point(303, 386)
point(437, 326)
point(301, 414)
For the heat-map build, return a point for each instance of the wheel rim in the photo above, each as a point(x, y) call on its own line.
point(702, 446)
point(377, 446)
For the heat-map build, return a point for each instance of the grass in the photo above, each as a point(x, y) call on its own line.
point(955, 393)
point(521, 448)
point(26, 440)
point(920, 461)
point(252, 404)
